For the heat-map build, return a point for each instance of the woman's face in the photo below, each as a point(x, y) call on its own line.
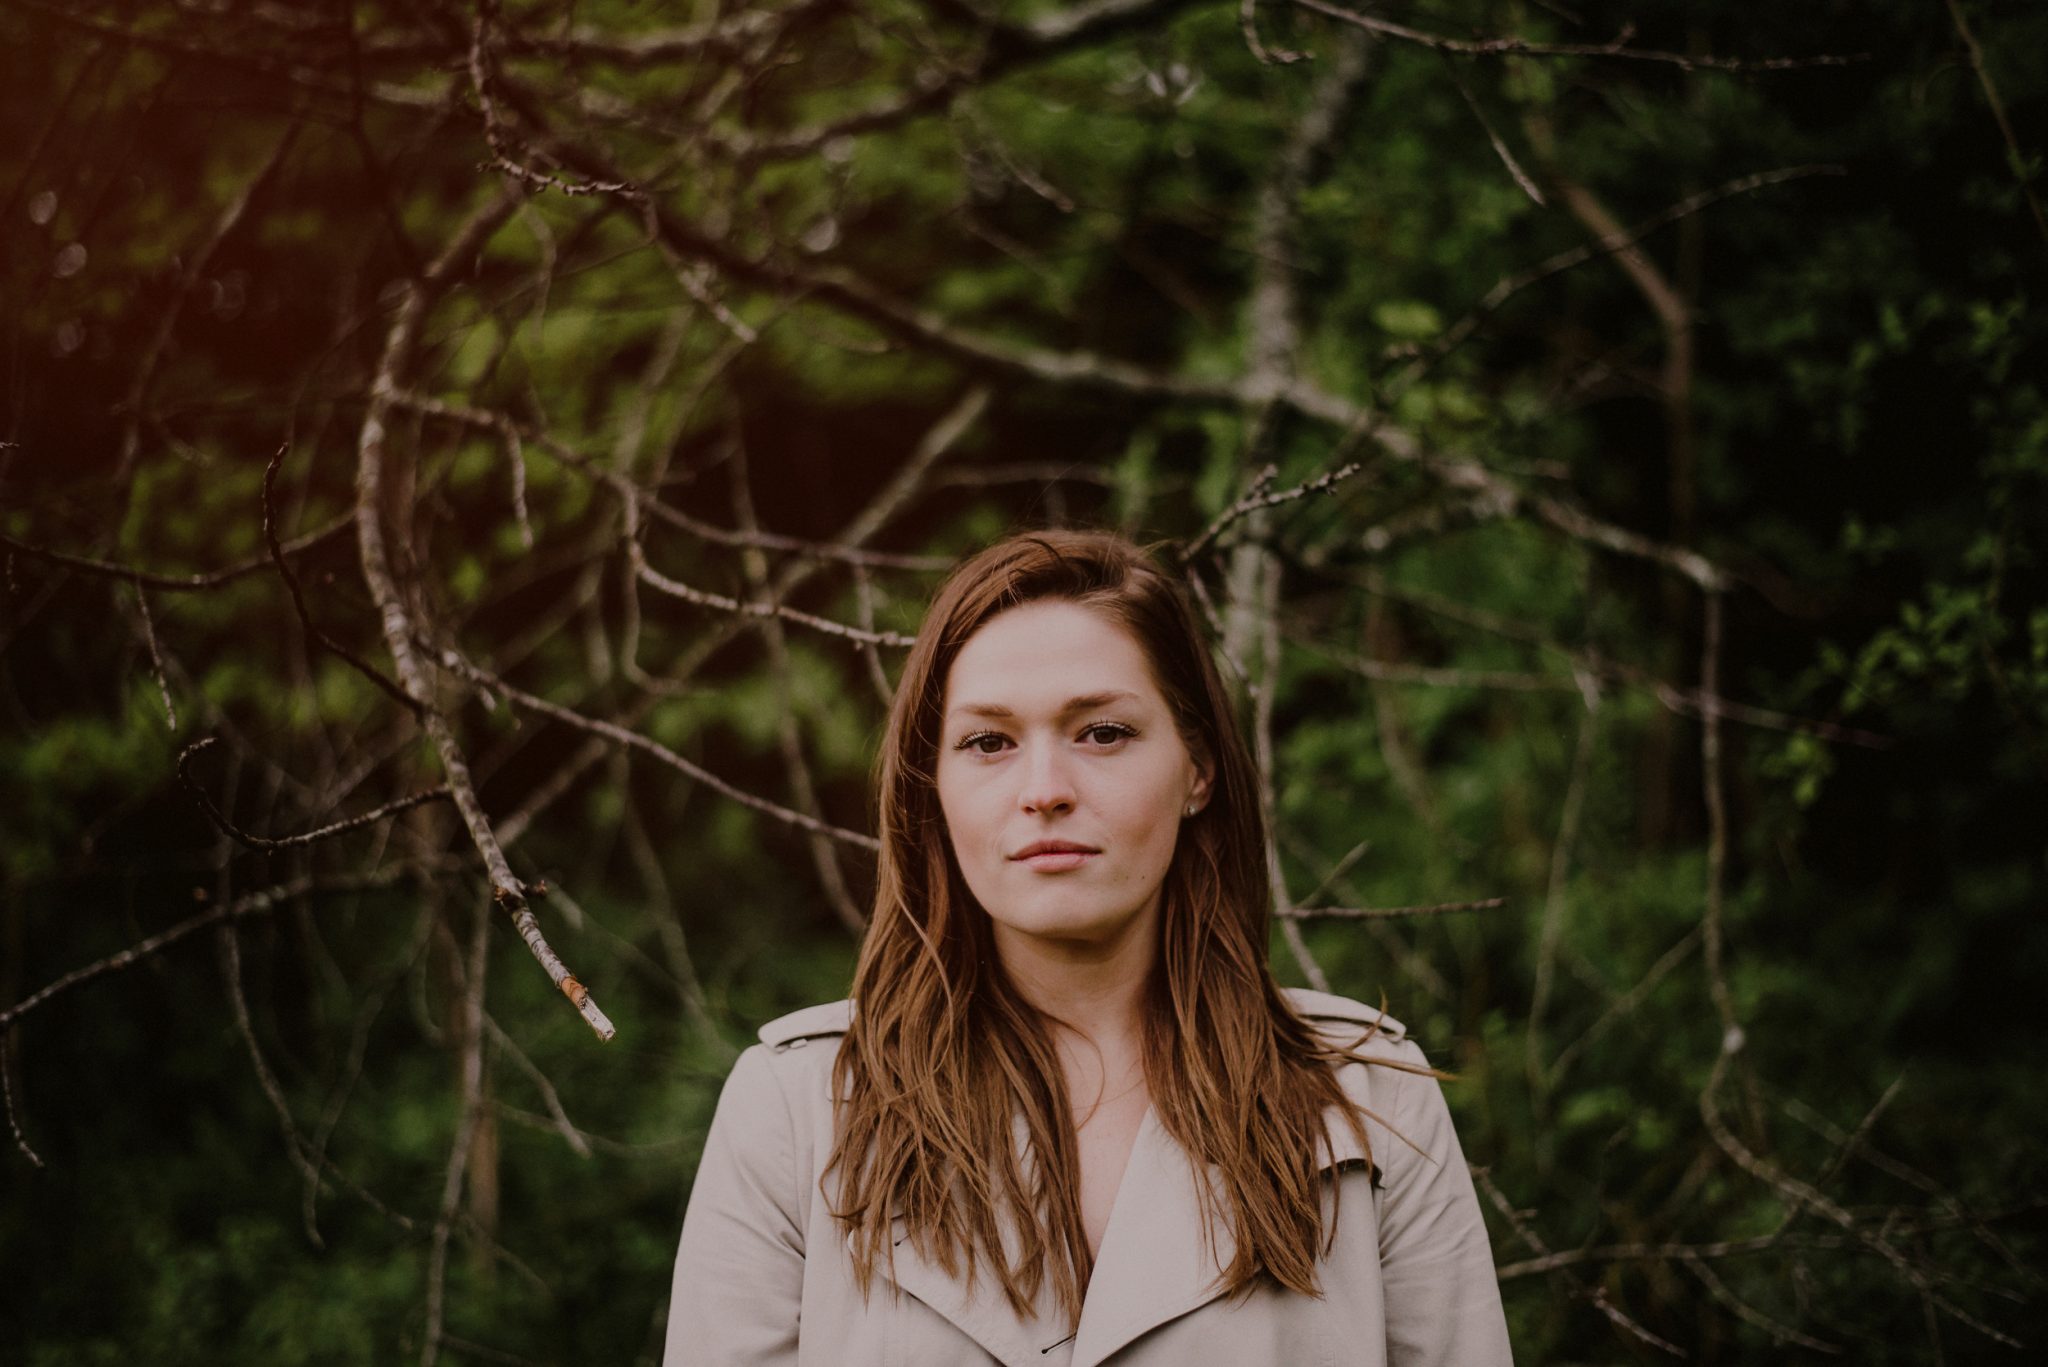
point(1055, 732)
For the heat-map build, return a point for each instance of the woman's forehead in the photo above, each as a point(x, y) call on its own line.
point(1046, 657)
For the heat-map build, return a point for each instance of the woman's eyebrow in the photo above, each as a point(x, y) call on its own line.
point(1083, 703)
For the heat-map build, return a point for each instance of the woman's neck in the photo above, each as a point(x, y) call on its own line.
point(1096, 990)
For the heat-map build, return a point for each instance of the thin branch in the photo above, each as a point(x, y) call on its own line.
point(1779, 1332)
point(667, 917)
point(500, 140)
point(2014, 157)
point(1509, 286)
point(358, 1048)
point(541, 1084)
point(1255, 607)
point(1796, 1193)
point(675, 588)
point(1953, 1210)
point(1007, 48)
point(7, 1097)
point(1390, 913)
point(908, 481)
point(823, 858)
point(1001, 473)
point(397, 620)
point(257, 842)
point(469, 1102)
point(1626, 1003)
point(1793, 1190)
point(479, 677)
point(636, 51)
point(156, 658)
point(1550, 935)
point(1415, 966)
point(296, 1148)
point(1433, 676)
point(1273, 307)
point(1248, 23)
point(642, 499)
point(1500, 146)
point(1336, 872)
point(249, 904)
point(1257, 498)
point(842, 287)
point(814, 550)
point(384, 682)
point(1711, 934)
point(1594, 1295)
point(179, 583)
point(1617, 49)
point(1684, 701)
point(1847, 1146)
point(1668, 1252)
point(596, 1142)
point(864, 604)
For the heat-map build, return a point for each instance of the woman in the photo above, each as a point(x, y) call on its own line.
point(1076, 1120)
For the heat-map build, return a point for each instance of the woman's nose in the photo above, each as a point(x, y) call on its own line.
point(1048, 784)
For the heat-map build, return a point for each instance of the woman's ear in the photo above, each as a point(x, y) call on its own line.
point(1205, 778)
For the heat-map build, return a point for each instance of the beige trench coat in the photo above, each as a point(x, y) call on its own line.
point(764, 1275)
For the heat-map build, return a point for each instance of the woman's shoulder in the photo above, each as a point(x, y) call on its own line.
point(800, 1028)
point(783, 1080)
point(1337, 1015)
point(798, 1048)
point(1367, 1034)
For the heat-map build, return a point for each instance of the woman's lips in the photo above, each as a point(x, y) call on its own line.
point(1055, 861)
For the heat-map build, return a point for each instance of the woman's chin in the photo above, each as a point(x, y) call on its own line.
point(1065, 922)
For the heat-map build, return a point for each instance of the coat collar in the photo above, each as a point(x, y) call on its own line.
point(984, 1314)
point(1154, 1264)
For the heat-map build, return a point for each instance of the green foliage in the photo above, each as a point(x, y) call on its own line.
point(1865, 453)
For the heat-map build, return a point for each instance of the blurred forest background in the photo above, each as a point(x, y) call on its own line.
point(466, 472)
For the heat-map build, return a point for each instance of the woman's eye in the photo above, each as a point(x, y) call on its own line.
point(1102, 735)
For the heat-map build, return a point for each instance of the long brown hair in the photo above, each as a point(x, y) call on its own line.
point(943, 1052)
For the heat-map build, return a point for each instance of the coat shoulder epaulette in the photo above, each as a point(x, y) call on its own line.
point(1315, 1005)
point(798, 1028)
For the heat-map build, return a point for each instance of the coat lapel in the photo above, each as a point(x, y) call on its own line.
point(985, 1315)
point(1154, 1265)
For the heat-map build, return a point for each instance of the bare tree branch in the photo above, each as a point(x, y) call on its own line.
point(620, 735)
point(295, 1145)
point(249, 904)
point(1391, 913)
point(1596, 1296)
point(184, 583)
point(257, 842)
point(1998, 114)
point(1617, 49)
point(7, 1097)
point(823, 858)
point(469, 1107)
point(397, 622)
